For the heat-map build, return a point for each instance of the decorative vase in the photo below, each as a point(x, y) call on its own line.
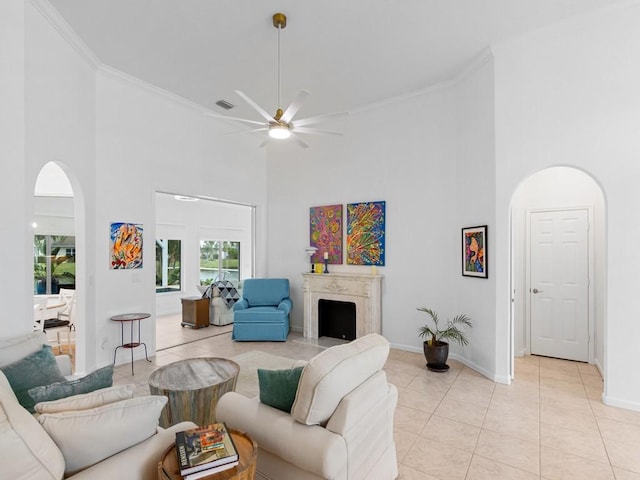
point(436, 356)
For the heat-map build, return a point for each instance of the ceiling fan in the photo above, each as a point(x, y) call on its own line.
point(281, 125)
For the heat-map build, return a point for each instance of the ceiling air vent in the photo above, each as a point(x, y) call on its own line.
point(224, 104)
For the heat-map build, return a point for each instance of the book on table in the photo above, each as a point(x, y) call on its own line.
point(204, 448)
point(210, 471)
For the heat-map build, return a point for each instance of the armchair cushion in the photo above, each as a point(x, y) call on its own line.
point(261, 292)
point(278, 387)
point(86, 401)
point(86, 437)
point(38, 368)
point(332, 374)
point(100, 378)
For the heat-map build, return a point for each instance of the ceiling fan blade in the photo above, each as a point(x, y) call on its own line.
point(319, 118)
point(263, 129)
point(315, 131)
point(235, 119)
point(255, 106)
point(294, 107)
point(300, 142)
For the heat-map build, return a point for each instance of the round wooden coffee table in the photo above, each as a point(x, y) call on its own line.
point(193, 387)
point(245, 470)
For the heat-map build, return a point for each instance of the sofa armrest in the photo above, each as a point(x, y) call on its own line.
point(240, 304)
point(139, 461)
point(64, 364)
point(285, 305)
point(309, 447)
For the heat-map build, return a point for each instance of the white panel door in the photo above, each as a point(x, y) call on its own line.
point(559, 284)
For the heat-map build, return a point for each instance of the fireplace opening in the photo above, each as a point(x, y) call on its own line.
point(336, 319)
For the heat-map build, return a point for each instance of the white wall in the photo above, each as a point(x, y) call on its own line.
point(399, 152)
point(60, 127)
point(568, 95)
point(119, 142)
point(147, 142)
point(558, 187)
point(474, 189)
point(13, 228)
point(191, 222)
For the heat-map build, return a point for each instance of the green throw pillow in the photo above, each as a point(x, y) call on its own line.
point(100, 378)
point(278, 387)
point(38, 368)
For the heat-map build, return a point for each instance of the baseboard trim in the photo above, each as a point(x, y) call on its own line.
point(618, 402)
point(466, 362)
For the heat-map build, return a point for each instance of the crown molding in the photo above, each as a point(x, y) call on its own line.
point(53, 17)
point(151, 88)
point(479, 61)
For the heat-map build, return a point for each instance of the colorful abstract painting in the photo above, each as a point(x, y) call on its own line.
point(474, 252)
point(365, 233)
point(126, 245)
point(325, 231)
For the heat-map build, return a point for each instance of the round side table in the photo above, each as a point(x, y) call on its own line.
point(245, 470)
point(130, 318)
point(193, 387)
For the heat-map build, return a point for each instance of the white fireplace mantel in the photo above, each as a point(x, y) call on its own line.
point(363, 290)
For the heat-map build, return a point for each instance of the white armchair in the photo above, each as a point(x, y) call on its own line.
point(341, 422)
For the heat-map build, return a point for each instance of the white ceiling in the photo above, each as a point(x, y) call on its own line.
point(346, 53)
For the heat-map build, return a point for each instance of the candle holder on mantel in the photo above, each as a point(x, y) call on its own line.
point(326, 265)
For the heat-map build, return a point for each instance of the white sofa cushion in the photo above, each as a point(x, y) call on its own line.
point(332, 374)
point(86, 437)
point(89, 400)
point(14, 348)
point(28, 452)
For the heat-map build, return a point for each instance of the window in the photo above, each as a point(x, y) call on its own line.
point(168, 266)
point(54, 263)
point(219, 260)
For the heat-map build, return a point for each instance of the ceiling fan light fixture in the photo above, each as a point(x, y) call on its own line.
point(279, 132)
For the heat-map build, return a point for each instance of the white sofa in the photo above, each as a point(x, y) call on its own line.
point(125, 446)
point(341, 422)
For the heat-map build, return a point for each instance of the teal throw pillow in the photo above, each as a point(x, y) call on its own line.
point(34, 370)
point(100, 378)
point(278, 387)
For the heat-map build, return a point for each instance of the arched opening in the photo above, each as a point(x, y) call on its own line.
point(55, 259)
point(558, 266)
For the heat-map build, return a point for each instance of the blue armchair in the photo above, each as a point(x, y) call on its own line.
point(263, 311)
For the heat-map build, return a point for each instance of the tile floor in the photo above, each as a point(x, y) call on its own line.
point(549, 424)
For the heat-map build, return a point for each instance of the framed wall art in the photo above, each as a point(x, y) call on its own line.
point(474, 252)
point(125, 241)
point(325, 233)
point(366, 233)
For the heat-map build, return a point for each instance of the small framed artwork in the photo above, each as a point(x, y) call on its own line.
point(474, 252)
point(125, 245)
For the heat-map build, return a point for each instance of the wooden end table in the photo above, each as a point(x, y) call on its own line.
point(193, 387)
point(245, 470)
point(195, 312)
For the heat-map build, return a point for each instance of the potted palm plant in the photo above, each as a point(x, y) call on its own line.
point(436, 350)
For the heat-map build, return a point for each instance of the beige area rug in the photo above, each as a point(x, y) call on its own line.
point(250, 362)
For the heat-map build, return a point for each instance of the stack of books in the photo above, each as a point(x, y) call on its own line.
point(205, 450)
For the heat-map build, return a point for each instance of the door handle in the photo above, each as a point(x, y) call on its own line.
point(535, 290)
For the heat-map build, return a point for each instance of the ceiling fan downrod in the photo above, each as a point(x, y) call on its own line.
point(279, 22)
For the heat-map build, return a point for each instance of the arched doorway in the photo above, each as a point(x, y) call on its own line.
point(552, 193)
point(57, 242)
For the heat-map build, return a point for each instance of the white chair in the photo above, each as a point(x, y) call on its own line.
point(56, 315)
point(341, 422)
